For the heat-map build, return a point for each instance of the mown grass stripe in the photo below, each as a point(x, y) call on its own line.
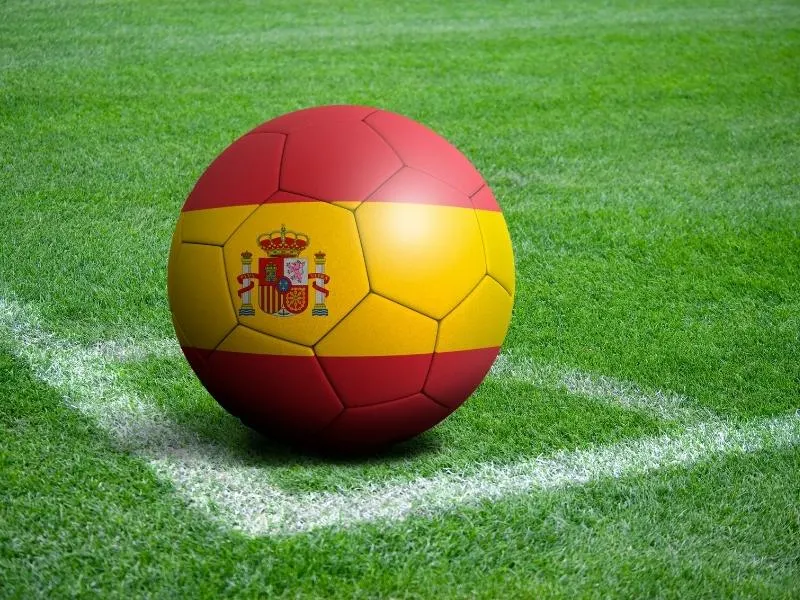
point(242, 496)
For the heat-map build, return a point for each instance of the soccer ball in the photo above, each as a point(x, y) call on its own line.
point(341, 276)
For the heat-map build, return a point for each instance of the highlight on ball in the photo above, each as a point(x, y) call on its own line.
point(341, 276)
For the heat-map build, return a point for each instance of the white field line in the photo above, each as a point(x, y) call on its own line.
point(130, 350)
point(256, 507)
point(243, 497)
point(657, 403)
point(84, 378)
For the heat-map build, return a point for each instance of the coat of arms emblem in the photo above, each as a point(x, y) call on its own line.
point(283, 276)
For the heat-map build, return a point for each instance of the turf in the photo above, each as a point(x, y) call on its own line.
point(81, 518)
point(492, 427)
point(645, 155)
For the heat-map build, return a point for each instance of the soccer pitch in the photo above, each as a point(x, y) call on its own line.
point(639, 435)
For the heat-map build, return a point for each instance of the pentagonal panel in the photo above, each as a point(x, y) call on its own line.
point(198, 294)
point(318, 115)
point(381, 351)
point(305, 268)
point(337, 161)
point(410, 185)
point(423, 149)
point(246, 172)
point(384, 423)
point(425, 257)
point(271, 384)
point(497, 246)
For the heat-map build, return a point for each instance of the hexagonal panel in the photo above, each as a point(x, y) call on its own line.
point(455, 375)
point(410, 185)
point(174, 249)
point(381, 351)
point(425, 257)
point(198, 294)
point(271, 384)
point(317, 115)
point(468, 342)
point(249, 341)
point(283, 196)
point(196, 357)
point(480, 321)
point(384, 423)
point(379, 327)
point(426, 150)
point(246, 172)
point(337, 161)
point(213, 225)
point(306, 269)
point(182, 339)
point(497, 246)
point(483, 199)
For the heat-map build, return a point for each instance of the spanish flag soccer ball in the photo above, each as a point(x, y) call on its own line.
point(341, 276)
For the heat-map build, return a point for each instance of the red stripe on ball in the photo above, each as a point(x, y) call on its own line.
point(455, 375)
point(365, 380)
point(246, 172)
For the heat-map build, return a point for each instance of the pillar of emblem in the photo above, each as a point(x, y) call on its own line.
point(246, 309)
point(320, 309)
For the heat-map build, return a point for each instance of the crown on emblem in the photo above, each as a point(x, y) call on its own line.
point(283, 243)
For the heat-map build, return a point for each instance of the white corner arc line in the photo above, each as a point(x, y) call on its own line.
point(243, 497)
point(258, 508)
point(660, 404)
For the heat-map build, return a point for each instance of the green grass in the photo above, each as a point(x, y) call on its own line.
point(82, 518)
point(645, 155)
point(492, 426)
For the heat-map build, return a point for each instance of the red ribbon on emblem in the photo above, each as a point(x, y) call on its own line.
point(240, 278)
point(325, 279)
